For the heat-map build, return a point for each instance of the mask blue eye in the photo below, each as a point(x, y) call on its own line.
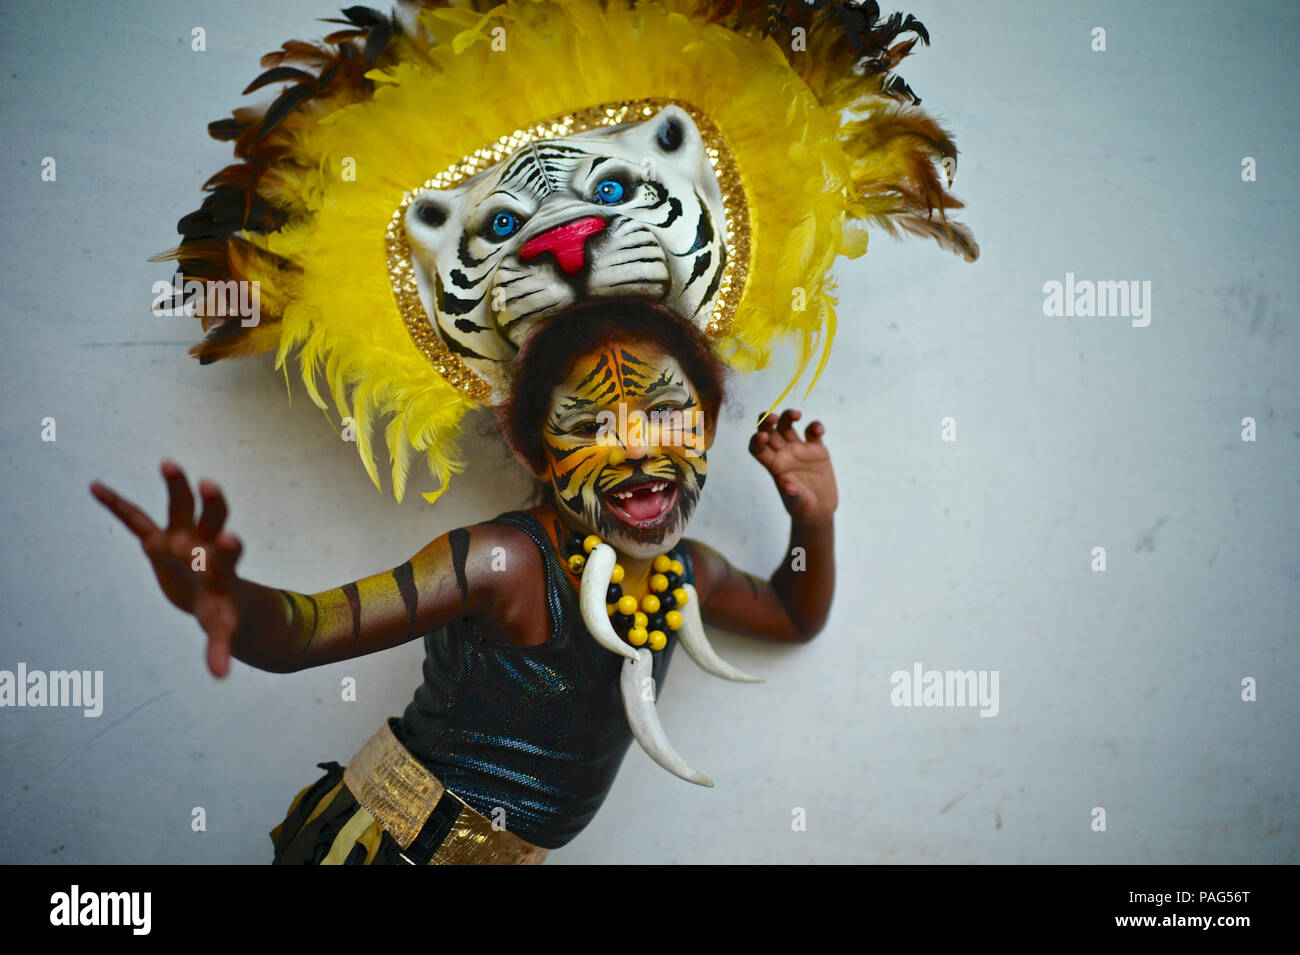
point(609, 191)
point(504, 225)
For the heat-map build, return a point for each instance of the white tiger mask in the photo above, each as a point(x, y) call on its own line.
point(621, 211)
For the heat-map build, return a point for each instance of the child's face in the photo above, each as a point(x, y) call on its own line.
point(625, 439)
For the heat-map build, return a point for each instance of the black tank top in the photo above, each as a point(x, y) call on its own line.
point(538, 732)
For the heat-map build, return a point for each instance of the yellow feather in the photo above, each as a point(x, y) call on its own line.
point(806, 174)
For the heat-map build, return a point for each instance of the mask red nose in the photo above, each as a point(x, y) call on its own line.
point(568, 243)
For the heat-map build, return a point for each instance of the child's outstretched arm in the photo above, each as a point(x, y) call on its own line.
point(283, 631)
point(791, 605)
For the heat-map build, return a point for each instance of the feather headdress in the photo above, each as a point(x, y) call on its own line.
point(776, 134)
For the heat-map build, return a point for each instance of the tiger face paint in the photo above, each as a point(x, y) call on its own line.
point(625, 439)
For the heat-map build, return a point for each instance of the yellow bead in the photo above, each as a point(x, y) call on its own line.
point(662, 563)
point(577, 562)
point(637, 636)
point(677, 567)
point(589, 543)
point(658, 640)
point(681, 595)
point(650, 603)
point(658, 583)
point(627, 604)
point(610, 608)
point(640, 620)
point(617, 576)
point(674, 619)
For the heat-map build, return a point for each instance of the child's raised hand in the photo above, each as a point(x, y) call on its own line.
point(801, 467)
point(176, 550)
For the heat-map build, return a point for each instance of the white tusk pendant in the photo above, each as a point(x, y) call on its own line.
point(638, 686)
point(691, 636)
point(591, 599)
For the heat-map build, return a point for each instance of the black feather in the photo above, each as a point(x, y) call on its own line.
point(277, 75)
point(364, 16)
point(379, 36)
point(284, 104)
point(226, 129)
point(327, 78)
point(228, 210)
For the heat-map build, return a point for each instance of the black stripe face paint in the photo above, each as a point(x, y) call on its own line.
point(627, 417)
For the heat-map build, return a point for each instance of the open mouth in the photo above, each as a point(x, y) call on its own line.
point(642, 503)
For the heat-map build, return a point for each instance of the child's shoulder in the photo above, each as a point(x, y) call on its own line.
point(696, 549)
point(510, 538)
point(707, 566)
point(519, 536)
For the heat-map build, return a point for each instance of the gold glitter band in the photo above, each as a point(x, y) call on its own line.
point(395, 788)
point(401, 272)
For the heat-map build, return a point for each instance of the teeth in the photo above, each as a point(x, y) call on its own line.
point(656, 487)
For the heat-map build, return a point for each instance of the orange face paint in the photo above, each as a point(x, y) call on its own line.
point(624, 441)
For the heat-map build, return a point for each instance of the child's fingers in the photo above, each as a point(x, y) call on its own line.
point(229, 550)
point(770, 426)
point(218, 620)
point(785, 427)
point(180, 503)
point(784, 432)
point(815, 431)
point(219, 656)
point(214, 513)
point(136, 520)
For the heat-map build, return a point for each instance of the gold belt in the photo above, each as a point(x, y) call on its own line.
point(395, 788)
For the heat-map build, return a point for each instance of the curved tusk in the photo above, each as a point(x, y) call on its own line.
point(638, 686)
point(691, 636)
point(591, 599)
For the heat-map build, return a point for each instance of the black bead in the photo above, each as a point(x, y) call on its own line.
point(622, 622)
point(574, 543)
point(667, 601)
point(657, 622)
point(613, 593)
point(674, 579)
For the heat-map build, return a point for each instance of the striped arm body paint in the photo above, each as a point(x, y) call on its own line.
point(385, 609)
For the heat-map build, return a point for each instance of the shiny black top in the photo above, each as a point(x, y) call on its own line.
point(537, 731)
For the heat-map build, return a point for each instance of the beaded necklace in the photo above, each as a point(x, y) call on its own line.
point(643, 622)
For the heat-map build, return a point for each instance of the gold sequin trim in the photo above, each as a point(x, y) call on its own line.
point(393, 786)
point(473, 841)
point(401, 272)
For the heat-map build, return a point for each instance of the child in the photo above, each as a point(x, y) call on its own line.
point(514, 738)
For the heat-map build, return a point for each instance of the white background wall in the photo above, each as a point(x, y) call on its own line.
point(1119, 690)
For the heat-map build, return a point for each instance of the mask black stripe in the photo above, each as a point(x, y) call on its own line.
point(717, 277)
